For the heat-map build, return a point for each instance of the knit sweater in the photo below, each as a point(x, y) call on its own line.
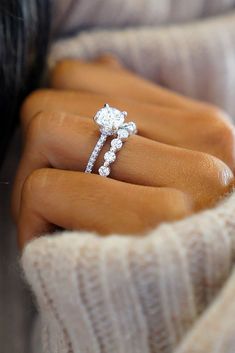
point(151, 294)
point(171, 291)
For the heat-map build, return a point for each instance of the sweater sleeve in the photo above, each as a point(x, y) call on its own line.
point(127, 294)
point(214, 331)
point(195, 58)
point(71, 15)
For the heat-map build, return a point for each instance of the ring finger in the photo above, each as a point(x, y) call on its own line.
point(204, 132)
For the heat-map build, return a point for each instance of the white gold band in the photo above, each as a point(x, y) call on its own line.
point(95, 153)
point(110, 156)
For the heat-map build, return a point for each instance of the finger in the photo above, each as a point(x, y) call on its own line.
point(101, 79)
point(73, 200)
point(209, 132)
point(66, 141)
point(108, 60)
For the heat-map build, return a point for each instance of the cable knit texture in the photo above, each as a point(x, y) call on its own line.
point(171, 291)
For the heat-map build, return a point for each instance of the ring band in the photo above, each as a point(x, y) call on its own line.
point(96, 152)
point(111, 122)
point(116, 145)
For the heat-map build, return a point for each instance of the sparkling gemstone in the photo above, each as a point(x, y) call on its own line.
point(123, 134)
point(104, 171)
point(116, 144)
point(110, 156)
point(130, 127)
point(109, 119)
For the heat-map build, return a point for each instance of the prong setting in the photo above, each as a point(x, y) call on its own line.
point(111, 122)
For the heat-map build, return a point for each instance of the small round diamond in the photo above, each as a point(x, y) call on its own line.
point(110, 156)
point(130, 127)
point(123, 134)
point(116, 144)
point(104, 171)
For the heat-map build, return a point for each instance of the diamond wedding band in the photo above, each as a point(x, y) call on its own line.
point(111, 122)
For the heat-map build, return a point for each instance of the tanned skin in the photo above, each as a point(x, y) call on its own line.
point(182, 160)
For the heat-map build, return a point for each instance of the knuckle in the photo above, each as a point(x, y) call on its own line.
point(212, 111)
point(217, 123)
point(224, 139)
point(221, 129)
point(43, 124)
point(175, 204)
point(31, 103)
point(220, 135)
point(34, 185)
point(34, 127)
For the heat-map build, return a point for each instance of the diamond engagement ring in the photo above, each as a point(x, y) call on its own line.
point(111, 122)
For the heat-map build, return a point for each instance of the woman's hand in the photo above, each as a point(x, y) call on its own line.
point(180, 161)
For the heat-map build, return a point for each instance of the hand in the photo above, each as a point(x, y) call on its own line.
point(180, 162)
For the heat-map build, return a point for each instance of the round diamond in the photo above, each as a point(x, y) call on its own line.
point(110, 156)
point(109, 119)
point(123, 134)
point(116, 144)
point(104, 171)
point(130, 127)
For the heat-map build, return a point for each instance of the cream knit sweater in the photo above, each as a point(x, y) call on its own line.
point(173, 290)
